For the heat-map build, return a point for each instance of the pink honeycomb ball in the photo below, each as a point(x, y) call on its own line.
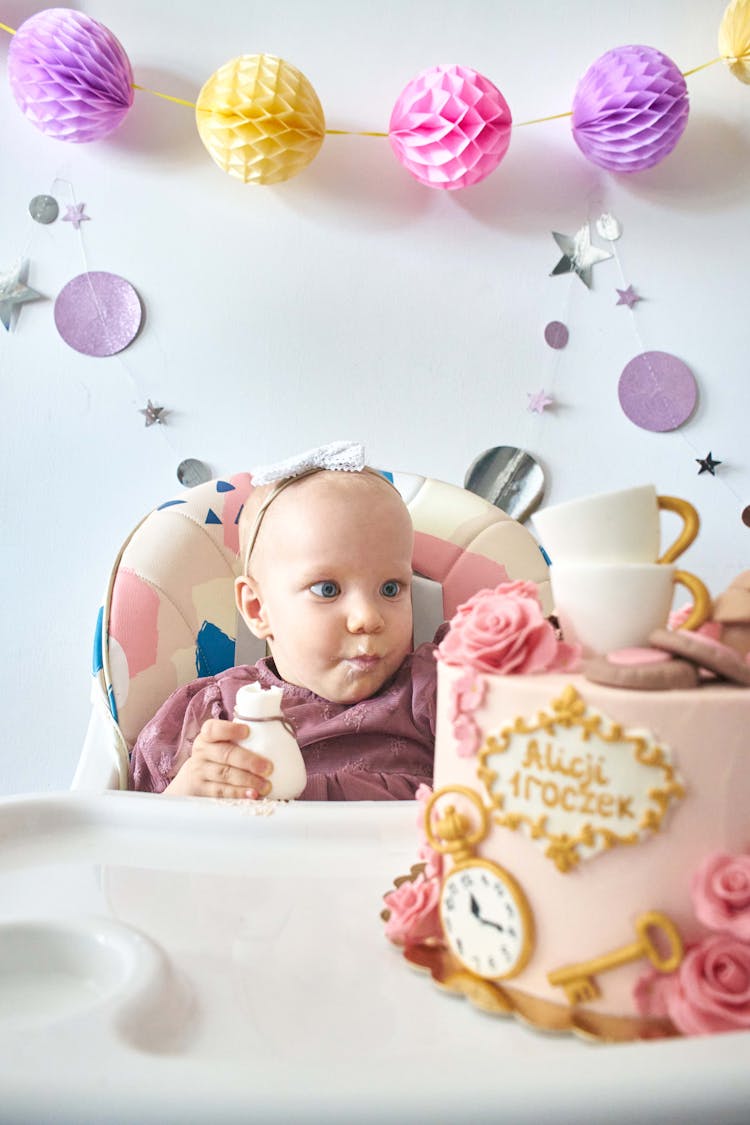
point(450, 127)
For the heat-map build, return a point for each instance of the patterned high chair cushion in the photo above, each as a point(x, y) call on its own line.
point(170, 614)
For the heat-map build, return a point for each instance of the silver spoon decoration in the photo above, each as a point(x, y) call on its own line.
point(509, 478)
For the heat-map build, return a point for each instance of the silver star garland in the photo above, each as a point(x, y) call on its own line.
point(154, 415)
point(579, 256)
point(14, 291)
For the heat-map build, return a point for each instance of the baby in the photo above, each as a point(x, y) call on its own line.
point(327, 583)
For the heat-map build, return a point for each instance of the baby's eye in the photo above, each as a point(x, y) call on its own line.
point(325, 589)
point(390, 589)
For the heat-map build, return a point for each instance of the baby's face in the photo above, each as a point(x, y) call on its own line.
point(333, 569)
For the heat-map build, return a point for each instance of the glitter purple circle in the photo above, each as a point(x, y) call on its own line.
point(556, 334)
point(657, 391)
point(98, 313)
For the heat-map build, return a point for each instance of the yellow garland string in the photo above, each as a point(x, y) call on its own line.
point(719, 58)
point(372, 133)
point(539, 120)
point(354, 133)
point(167, 97)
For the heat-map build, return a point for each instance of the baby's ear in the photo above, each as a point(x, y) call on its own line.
point(249, 602)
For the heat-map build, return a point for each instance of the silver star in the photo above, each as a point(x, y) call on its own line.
point(578, 254)
point(14, 291)
point(153, 414)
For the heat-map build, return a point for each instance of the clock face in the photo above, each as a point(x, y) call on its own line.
point(486, 919)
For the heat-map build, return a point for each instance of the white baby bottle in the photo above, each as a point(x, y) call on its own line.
point(271, 736)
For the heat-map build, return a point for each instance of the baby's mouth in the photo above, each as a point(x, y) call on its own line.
point(364, 661)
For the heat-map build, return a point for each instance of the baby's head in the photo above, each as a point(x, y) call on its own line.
point(328, 581)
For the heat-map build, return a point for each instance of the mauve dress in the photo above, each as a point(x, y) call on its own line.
point(380, 749)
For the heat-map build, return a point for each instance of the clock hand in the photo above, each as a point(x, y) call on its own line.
point(475, 910)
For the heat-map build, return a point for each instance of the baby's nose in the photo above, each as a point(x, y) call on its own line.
point(364, 616)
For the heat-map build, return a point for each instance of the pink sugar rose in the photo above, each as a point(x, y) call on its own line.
point(710, 992)
point(721, 894)
point(504, 631)
point(414, 913)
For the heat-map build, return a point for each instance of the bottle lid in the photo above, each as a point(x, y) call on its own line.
point(256, 702)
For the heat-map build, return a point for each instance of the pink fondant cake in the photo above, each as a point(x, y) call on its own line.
point(586, 847)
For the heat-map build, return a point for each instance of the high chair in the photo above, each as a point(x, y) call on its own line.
point(169, 615)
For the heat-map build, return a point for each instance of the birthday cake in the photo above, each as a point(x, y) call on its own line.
point(585, 853)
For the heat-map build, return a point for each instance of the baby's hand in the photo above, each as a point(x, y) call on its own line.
point(218, 767)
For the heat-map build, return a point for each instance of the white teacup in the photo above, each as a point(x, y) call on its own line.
point(606, 606)
point(621, 526)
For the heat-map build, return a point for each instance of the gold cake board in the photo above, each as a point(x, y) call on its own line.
point(499, 1000)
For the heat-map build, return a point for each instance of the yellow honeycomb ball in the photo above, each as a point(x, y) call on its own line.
point(260, 119)
point(734, 39)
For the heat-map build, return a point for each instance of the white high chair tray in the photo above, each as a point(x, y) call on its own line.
point(188, 960)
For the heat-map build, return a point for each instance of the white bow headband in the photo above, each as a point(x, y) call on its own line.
point(348, 456)
point(343, 456)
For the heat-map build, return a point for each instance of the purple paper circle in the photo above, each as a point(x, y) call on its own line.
point(657, 391)
point(98, 313)
point(556, 334)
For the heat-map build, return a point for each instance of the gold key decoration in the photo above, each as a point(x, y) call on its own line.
point(578, 980)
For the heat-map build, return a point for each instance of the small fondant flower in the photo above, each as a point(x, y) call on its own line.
point(504, 631)
point(414, 913)
point(468, 736)
point(721, 894)
point(467, 693)
point(650, 993)
point(423, 793)
point(433, 861)
point(710, 991)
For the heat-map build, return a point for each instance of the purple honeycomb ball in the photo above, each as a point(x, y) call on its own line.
point(630, 109)
point(70, 75)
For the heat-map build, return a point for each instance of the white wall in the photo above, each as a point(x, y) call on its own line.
point(350, 301)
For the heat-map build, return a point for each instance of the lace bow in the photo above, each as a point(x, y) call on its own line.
point(347, 456)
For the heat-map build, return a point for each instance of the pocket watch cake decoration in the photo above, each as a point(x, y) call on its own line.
point(486, 920)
